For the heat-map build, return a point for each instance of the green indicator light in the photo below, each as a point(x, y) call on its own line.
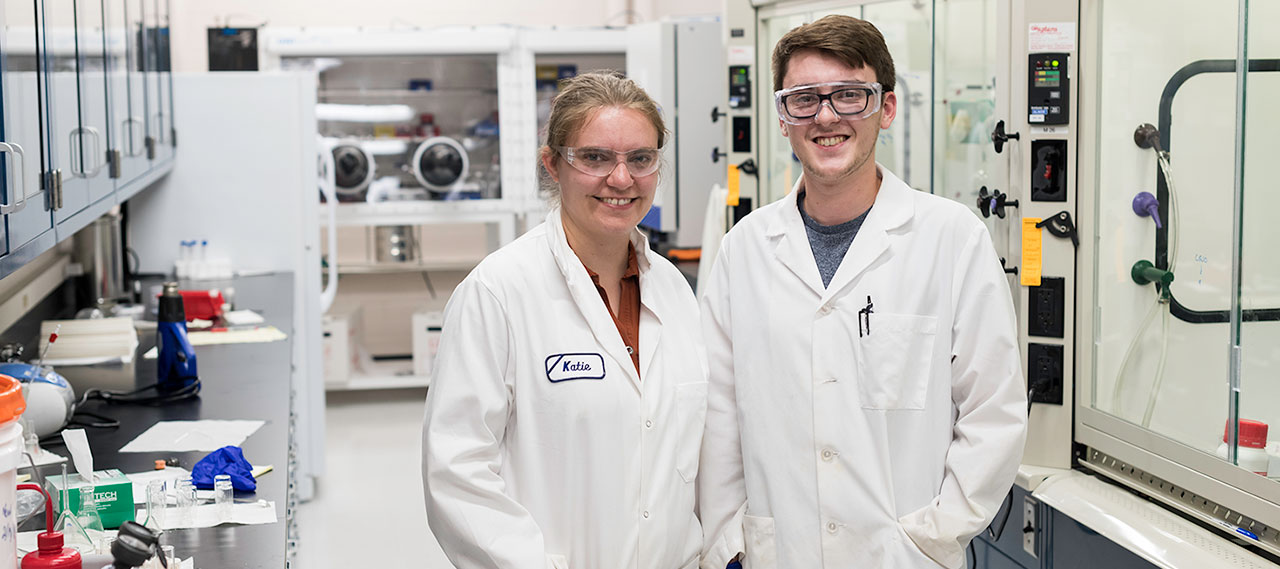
point(1055, 63)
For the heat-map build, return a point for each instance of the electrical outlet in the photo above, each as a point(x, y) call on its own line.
point(1029, 530)
point(1044, 373)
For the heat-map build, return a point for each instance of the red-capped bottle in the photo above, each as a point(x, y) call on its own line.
point(51, 555)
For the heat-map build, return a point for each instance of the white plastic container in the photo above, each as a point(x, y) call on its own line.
point(1251, 454)
point(11, 407)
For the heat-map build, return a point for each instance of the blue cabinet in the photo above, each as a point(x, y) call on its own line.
point(27, 221)
point(73, 60)
point(86, 115)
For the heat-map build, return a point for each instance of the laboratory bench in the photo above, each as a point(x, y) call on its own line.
point(238, 381)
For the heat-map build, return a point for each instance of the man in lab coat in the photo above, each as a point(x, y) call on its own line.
point(866, 406)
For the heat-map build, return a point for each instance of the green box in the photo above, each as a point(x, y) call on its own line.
point(114, 493)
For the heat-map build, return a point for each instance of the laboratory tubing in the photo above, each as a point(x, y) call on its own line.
point(223, 496)
point(1251, 454)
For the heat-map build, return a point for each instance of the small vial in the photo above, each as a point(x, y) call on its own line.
point(185, 501)
point(223, 496)
point(156, 504)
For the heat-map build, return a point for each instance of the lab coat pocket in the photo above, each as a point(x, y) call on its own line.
point(893, 361)
point(761, 543)
point(691, 410)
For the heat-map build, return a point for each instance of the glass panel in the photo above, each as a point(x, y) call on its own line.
point(1259, 398)
point(779, 167)
point(903, 148)
point(1161, 357)
point(965, 104)
point(551, 68)
point(439, 137)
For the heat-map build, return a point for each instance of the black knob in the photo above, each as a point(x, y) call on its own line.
point(1147, 136)
point(999, 137)
point(716, 114)
point(716, 154)
point(989, 203)
point(984, 202)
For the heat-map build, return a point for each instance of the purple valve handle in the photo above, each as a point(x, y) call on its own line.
point(1145, 204)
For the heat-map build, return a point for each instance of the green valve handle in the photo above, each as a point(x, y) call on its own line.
point(1143, 272)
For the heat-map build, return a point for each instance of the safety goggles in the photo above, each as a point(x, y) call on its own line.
point(849, 99)
point(602, 161)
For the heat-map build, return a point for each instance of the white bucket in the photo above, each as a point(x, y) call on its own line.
point(10, 457)
point(11, 407)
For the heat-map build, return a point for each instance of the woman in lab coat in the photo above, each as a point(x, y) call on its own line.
point(566, 408)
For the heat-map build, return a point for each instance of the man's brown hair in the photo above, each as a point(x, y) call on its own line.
point(853, 41)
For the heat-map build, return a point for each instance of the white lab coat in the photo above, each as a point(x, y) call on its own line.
point(827, 447)
point(534, 455)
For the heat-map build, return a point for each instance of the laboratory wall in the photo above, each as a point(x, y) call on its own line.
point(1152, 367)
point(191, 19)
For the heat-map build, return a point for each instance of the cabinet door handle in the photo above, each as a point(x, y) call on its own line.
point(160, 128)
point(20, 175)
point(77, 159)
point(134, 148)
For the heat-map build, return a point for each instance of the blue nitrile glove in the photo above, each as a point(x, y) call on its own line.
point(733, 565)
point(226, 460)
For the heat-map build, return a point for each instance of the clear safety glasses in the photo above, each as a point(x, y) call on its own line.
point(848, 99)
point(602, 161)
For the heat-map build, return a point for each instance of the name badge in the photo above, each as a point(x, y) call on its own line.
point(566, 367)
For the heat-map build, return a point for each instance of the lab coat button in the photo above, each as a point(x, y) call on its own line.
point(646, 514)
point(832, 527)
point(826, 309)
point(827, 455)
point(648, 424)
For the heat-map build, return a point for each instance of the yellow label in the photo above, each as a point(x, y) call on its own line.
point(1032, 252)
point(732, 200)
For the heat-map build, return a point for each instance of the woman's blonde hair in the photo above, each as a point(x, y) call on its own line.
point(579, 97)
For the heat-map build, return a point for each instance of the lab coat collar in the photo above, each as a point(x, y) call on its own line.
point(585, 296)
point(893, 208)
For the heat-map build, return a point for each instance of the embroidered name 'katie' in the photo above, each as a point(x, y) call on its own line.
point(565, 367)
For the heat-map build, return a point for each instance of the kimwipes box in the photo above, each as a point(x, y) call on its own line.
point(114, 493)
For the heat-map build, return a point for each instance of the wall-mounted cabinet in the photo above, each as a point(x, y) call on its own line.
point(85, 115)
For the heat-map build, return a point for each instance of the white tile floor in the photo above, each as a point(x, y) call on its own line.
point(368, 508)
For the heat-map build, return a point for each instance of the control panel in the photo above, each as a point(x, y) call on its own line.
point(1049, 89)
point(739, 87)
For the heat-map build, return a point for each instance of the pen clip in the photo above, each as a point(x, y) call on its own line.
point(865, 313)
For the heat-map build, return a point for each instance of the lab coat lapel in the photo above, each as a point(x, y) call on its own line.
point(587, 299)
point(791, 242)
point(652, 300)
point(893, 207)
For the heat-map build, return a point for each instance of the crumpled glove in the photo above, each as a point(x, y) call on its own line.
point(226, 460)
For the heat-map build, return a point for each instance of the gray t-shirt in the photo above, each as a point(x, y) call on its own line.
point(829, 242)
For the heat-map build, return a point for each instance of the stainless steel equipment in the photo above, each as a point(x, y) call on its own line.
point(100, 251)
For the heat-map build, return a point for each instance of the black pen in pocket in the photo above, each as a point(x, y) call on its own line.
point(865, 314)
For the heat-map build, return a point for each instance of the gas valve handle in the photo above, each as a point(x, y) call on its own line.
point(999, 137)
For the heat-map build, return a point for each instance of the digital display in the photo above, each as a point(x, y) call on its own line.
point(1048, 73)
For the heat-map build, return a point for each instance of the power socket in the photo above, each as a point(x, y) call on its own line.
point(1044, 373)
point(1029, 527)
